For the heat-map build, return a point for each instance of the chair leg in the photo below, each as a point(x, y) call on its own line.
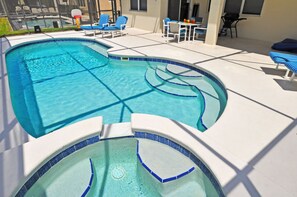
point(236, 31)
point(231, 32)
point(178, 38)
point(277, 65)
point(292, 77)
point(287, 73)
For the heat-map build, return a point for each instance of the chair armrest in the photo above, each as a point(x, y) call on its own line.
point(105, 25)
point(202, 28)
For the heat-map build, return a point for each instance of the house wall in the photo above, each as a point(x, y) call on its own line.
point(277, 21)
point(148, 20)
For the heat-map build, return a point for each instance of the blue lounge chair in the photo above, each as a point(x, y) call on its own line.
point(282, 58)
point(289, 60)
point(119, 26)
point(103, 22)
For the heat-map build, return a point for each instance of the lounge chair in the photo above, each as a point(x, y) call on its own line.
point(103, 22)
point(119, 26)
point(282, 58)
point(289, 60)
point(176, 30)
point(18, 10)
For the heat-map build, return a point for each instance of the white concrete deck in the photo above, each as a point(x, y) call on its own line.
point(252, 147)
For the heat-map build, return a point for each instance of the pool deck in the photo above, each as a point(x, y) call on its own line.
point(251, 149)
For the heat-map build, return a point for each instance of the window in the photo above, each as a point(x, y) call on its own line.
point(249, 6)
point(139, 5)
point(233, 6)
point(253, 7)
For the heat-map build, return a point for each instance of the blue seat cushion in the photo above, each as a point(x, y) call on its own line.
point(281, 58)
point(200, 31)
point(111, 28)
point(86, 27)
point(292, 66)
point(94, 27)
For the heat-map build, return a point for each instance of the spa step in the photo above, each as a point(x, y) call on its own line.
point(163, 86)
point(182, 71)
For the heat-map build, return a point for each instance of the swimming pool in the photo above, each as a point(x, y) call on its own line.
point(54, 83)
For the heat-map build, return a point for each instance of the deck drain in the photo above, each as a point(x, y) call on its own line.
point(118, 172)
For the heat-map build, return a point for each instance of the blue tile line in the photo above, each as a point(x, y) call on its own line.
point(184, 151)
point(156, 175)
point(53, 161)
point(91, 179)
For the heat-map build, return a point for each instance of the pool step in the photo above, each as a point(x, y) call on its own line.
point(163, 86)
point(98, 49)
point(164, 75)
point(182, 71)
point(187, 77)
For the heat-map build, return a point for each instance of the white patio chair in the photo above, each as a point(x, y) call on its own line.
point(199, 31)
point(176, 30)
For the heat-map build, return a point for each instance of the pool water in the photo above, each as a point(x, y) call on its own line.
point(59, 82)
point(117, 172)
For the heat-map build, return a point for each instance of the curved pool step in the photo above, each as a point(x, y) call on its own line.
point(212, 101)
point(182, 71)
point(163, 86)
point(211, 97)
point(164, 75)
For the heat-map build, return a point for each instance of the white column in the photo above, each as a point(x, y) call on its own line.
point(214, 20)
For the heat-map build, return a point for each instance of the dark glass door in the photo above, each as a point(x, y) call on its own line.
point(174, 9)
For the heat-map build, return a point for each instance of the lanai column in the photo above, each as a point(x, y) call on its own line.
point(214, 20)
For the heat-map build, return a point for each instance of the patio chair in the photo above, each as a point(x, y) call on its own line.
point(165, 25)
point(27, 9)
point(176, 30)
point(289, 60)
point(37, 11)
point(282, 58)
point(199, 31)
point(118, 27)
point(18, 10)
point(103, 22)
point(230, 21)
point(52, 10)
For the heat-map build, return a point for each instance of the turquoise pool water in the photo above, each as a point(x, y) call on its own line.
point(117, 172)
point(59, 82)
